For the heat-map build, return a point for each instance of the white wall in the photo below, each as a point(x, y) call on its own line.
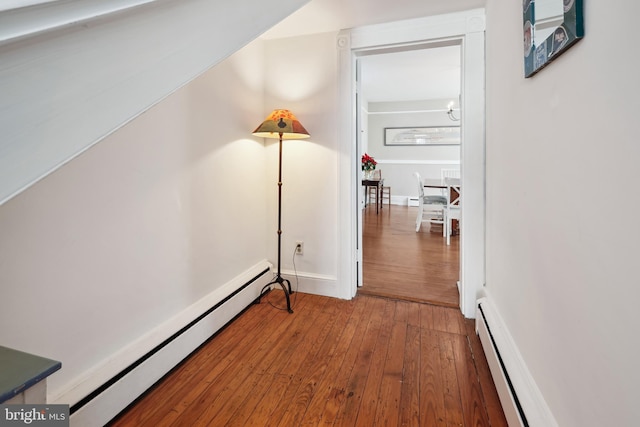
point(300, 75)
point(138, 228)
point(398, 163)
point(562, 235)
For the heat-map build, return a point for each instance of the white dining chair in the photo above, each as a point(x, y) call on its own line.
point(430, 208)
point(385, 193)
point(449, 173)
point(452, 210)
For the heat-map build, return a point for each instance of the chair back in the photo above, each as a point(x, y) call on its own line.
point(454, 197)
point(449, 173)
point(420, 186)
point(453, 192)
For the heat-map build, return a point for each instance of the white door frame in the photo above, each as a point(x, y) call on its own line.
point(467, 28)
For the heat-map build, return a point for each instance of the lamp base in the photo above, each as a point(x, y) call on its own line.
point(286, 288)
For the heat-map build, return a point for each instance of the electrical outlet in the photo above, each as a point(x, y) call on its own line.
point(299, 247)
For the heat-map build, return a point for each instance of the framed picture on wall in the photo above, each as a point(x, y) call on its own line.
point(426, 135)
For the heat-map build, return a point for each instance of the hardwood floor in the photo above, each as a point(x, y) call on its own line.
point(400, 263)
point(365, 362)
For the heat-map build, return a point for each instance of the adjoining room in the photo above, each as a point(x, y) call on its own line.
point(410, 124)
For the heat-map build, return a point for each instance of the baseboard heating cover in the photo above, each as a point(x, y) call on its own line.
point(108, 400)
point(522, 401)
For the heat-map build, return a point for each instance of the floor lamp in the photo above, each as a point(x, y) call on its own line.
point(281, 124)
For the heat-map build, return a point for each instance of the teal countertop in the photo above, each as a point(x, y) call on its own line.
point(20, 370)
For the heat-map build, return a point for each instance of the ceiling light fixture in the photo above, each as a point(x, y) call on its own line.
point(450, 113)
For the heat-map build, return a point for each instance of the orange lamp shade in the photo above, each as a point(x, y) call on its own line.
point(281, 124)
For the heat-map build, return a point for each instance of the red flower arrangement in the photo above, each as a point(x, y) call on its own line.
point(368, 162)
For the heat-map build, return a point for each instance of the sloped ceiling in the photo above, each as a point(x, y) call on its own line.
point(73, 71)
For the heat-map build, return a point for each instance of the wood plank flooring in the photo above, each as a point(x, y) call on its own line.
point(400, 263)
point(366, 362)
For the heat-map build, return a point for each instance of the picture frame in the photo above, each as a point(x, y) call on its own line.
point(549, 34)
point(422, 136)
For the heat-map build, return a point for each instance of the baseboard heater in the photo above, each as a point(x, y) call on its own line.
point(107, 401)
point(521, 400)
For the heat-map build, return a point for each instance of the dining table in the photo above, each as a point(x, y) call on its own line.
point(437, 183)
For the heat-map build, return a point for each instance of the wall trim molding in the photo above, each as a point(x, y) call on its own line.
point(440, 110)
point(417, 162)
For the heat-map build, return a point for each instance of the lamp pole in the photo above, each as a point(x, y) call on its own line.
point(279, 279)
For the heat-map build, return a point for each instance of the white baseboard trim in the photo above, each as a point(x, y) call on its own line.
point(109, 388)
point(399, 200)
point(311, 283)
point(521, 399)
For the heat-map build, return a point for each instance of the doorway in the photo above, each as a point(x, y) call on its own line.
point(468, 27)
point(408, 88)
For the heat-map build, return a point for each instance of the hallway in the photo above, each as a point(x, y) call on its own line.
point(364, 362)
point(400, 263)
